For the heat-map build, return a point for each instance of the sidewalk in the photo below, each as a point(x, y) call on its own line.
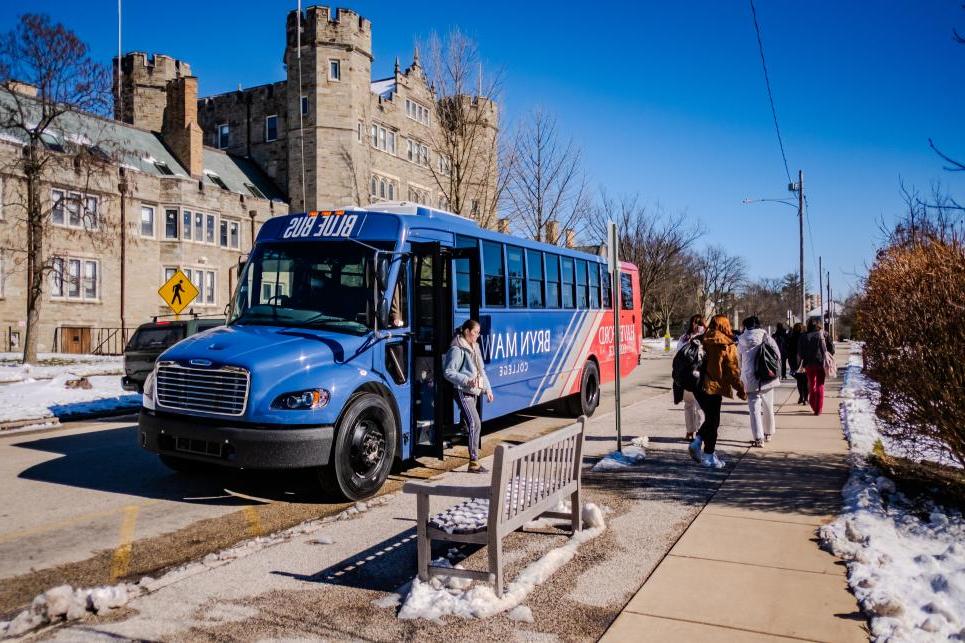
point(749, 566)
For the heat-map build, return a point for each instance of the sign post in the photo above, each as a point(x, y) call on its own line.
point(613, 258)
point(178, 291)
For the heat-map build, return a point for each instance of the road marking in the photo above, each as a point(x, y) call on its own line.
point(70, 522)
point(255, 527)
point(121, 561)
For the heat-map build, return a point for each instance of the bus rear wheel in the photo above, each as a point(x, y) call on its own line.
point(365, 445)
point(588, 398)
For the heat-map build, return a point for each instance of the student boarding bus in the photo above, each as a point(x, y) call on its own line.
point(332, 354)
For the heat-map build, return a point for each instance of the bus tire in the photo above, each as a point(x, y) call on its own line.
point(181, 465)
point(588, 398)
point(364, 448)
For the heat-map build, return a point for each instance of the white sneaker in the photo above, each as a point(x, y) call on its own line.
point(695, 446)
point(711, 461)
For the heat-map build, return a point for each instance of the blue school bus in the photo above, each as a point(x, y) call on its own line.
point(331, 358)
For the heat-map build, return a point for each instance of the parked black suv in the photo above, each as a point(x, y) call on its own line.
point(153, 338)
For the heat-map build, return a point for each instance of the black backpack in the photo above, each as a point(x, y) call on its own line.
point(768, 363)
point(688, 365)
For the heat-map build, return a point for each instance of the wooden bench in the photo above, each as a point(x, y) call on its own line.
point(528, 481)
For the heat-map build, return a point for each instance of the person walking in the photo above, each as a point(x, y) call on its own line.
point(760, 394)
point(780, 338)
point(464, 369)
point(721, 378)
point(693, 416)
point(794, 361)
point(812, 349)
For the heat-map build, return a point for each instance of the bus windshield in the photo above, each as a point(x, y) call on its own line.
point(307, 285)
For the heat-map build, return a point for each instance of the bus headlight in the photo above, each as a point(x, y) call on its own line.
point(147, 400)
point(314, 398)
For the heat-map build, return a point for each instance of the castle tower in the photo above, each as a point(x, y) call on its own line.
point(142, 96)
point(335, 66)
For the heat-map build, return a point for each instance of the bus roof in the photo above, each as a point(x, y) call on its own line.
point(390, 219)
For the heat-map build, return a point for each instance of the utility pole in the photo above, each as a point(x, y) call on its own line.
point(799, 188)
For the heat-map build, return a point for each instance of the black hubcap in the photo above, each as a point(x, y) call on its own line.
point(592, 392)
point(368, 448)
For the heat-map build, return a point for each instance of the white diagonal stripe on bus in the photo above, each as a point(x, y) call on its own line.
point(554, 372)
point(549, 369)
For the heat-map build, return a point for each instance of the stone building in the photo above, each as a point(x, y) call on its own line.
point(115, 233)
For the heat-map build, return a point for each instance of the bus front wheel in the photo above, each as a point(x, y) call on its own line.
point(365, 445)
point(587, 399)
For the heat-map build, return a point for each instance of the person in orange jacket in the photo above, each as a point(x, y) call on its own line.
point(721, 378)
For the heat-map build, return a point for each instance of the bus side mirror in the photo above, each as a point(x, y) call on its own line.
point(382, 271)
point(384, 307)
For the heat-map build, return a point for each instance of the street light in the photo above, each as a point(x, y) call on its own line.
point(799, 188)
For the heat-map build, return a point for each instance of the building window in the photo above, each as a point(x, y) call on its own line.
point(80, 281)
point(334, 69)
point(217, 180)
point(223, 234)
point(91, 220)
point(209, 228)
point(255, 192)
point(171, 216)
point(147, 221)
point(390, 142)
point(304, 105)
point(271, 128)
point(57, 207)
point(417, 111)
point(234, 234)
point(1, 215)
point(163, 168)
point(204, 280)
point(198, 227)
point(223, 136)
point(445, 164)
point(383, 139)
point(375, 135)
point(209, 287)
point(186, 228)
point(74, 218)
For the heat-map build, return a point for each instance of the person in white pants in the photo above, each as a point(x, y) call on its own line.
point(693, 416)
point(760, 394)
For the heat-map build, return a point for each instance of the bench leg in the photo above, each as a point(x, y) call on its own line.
point(576, 511)
point(422, 539)
point(495, 549)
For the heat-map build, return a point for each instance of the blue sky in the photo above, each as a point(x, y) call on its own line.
point(666, 99)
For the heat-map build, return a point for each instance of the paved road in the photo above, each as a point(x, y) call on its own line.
point(84, 504)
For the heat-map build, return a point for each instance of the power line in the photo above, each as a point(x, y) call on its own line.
point(807, 217)
point(770, 95)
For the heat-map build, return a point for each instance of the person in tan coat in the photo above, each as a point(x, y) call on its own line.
point(722, 378)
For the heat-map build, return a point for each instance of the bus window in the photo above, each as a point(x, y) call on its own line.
point(606, 282)
point(462, 273)
point(552, 281)
point(566, 269)
point(517, 284)
point(581, 295)
point(594, 285)
point(494, 273)
point(534, 267)
point(626, 292)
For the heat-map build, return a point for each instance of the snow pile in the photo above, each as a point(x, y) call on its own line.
point(655, 345)
point(53, 364)
point(906, 557)
point(450, 595)
point(33, 399)
point(64, 603)
point(631, 456)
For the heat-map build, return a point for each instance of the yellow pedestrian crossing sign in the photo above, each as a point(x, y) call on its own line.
point(178, 291)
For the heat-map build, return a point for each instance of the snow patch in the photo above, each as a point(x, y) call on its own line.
point(906, 558)
point(631, 456)
point(64, 603)
point(449, 595)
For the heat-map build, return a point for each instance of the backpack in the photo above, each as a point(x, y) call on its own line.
point(688, 366)
point(768, 363)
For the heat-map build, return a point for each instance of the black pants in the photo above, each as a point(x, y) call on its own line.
point(802, 386)
point(710, 405)
point(783, 366)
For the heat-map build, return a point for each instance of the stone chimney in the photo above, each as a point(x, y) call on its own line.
point(21, 87)
point(570, 238)
point(180, 130)
point(502, 225)
point(552, 232)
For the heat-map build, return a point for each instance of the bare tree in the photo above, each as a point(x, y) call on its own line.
point(46, 77)
point(651, 239)
point(721, 276)
point(467, 141)
point(546, 181)
point(670, 298)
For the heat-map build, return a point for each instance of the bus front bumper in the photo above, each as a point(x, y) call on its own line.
point(235, 446)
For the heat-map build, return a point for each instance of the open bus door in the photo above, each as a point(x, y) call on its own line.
point(433, 300)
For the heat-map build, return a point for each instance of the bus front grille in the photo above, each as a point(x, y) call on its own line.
point(221, 390)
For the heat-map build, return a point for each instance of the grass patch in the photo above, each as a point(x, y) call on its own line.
point(945, 485)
